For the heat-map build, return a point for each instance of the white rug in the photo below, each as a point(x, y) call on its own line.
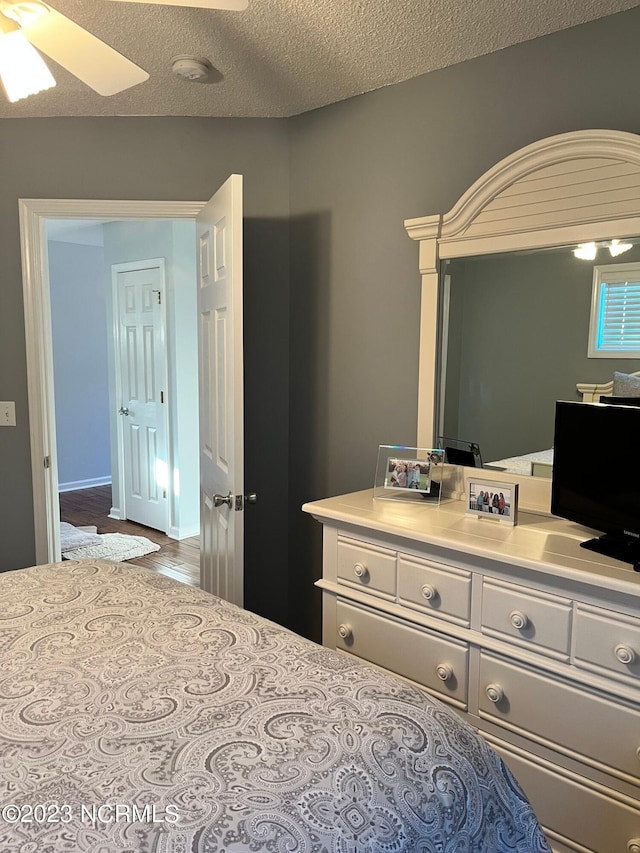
point(77, 537)
point(113, 546)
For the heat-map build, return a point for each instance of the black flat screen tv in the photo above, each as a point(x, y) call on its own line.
point(596, 475)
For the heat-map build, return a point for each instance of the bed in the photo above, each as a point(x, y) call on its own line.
point(139, 714)
point(536, 464)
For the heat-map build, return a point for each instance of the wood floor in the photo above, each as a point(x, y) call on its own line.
point(177, 559)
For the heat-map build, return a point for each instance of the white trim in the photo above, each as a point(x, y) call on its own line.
point(444, 347)
point(119, 497)
point(35, 282)
point(77, 485)
point(520, 166)
point(179, 533)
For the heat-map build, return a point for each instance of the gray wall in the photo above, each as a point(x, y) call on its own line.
point(519, 335)
point(154, 158)
point(79, 329)
point(357, 170)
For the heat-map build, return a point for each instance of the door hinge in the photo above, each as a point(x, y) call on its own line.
point(47, 462)
point(164, 493)
point(158, 294)
point(162, 396)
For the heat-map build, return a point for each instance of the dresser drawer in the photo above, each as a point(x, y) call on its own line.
point(590, 727)
point(437, 589)
point(574, 812)
point(534, 619)
point(437, 663)
point(607, 640)
point(364, 565)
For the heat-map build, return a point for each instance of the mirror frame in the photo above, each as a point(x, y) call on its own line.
point(570, 188)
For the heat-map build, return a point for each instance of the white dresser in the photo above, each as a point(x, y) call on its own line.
point(534, 640)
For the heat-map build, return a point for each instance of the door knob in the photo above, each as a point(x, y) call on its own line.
point(123, 411)
point(218, 500)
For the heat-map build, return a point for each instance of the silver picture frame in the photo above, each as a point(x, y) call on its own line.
point(492, 499)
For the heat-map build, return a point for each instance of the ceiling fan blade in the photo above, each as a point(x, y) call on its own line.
point(95, 63)
point(227, 5)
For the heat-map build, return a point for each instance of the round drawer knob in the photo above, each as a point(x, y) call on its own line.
point(625, 654)
point(518, 619)
point(345, 632)
point(361, 571)
point(429, 592)
point(444, 671)
point(634, 845)
point(494, 692)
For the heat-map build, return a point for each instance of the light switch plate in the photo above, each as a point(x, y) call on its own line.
point(7, 413)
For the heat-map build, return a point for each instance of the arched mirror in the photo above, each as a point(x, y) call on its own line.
point(508, 283)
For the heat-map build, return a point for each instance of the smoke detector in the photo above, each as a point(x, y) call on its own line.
point(190, 68)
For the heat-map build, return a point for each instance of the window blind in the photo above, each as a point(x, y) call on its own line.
point(619, 327)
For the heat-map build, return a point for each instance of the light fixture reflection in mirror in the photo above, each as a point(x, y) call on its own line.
point(588, 251)
point(617, 247)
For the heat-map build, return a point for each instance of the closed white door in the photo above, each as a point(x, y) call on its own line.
point(219, 243)
point(142, 375)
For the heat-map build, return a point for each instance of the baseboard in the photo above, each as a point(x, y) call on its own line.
point(115, 513)
point(178, 533)
point(76, 485)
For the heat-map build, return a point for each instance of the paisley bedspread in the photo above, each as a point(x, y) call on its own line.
point(139, 714)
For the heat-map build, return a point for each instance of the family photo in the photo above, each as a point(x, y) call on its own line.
point(412, 474)
point(492, 499)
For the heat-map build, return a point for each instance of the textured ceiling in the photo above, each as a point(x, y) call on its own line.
point(284, 57)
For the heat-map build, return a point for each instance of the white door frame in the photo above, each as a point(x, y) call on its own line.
point(38, 339)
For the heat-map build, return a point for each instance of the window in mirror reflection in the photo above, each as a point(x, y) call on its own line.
point(614, 329)
point(515, 330)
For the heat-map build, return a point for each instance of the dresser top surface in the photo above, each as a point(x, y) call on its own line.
point(543, 543)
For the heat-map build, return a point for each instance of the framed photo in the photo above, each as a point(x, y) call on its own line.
point(407, 473)
point(414, 474)
point(491, 499)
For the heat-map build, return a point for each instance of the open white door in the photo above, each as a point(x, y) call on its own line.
point(219, 241)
